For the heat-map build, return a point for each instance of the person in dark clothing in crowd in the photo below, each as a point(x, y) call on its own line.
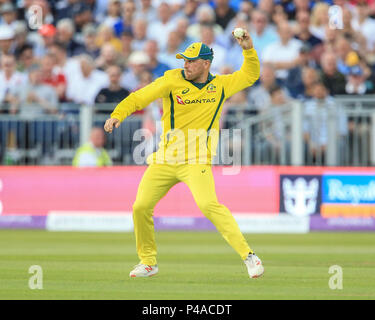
point(65, 33)
point(332, 79)
point(224, 13)
point(114, 93)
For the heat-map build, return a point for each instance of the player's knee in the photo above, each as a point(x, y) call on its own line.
point(208, 207)
point(140, 207)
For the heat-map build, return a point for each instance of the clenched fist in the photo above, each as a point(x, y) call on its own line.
point(108, 126)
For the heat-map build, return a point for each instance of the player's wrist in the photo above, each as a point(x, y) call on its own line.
point(247, 48)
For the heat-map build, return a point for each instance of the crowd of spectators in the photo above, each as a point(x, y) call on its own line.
point(88, 52)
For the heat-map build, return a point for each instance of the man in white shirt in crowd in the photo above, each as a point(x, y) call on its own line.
point(10, 79)
point(283, 54)
point(85, 86)
point(159, 29)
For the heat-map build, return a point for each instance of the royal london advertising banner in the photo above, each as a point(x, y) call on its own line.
point(348, 196)
point(261, 198)
point(334, 199)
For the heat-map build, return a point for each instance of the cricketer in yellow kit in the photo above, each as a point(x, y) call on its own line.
point(192, 105)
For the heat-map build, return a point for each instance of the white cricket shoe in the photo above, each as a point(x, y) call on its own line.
point(254, 266)
point(143, 270)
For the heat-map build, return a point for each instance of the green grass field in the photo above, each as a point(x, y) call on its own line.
point(192, 265)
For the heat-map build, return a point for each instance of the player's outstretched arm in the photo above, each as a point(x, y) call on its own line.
point(110, 123)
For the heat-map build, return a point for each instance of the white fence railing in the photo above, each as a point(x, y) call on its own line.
point(338, 134)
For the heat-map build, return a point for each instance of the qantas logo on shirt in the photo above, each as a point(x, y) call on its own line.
point(188, 101)
point(179, 100)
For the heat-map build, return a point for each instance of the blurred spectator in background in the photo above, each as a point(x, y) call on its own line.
point(330, 37)
point(190, 10)
point(113, 17)
point(128, 9)
point(139, 33)
point(162, 26)
point(93, 154)
point(10, 81)
point(331, 78)
point(8, 14)
point(208, 38)
point(294, 81)
point(146, 11)
point(168, 57)
point(317, 113)
point(47, 33)
point(319, 20)
point(291, 8)
point(266, 6)
point(309, 78)
point(65, 32)
point(35, 98)
point(160, 63)
point(69, 67)
point(85, 86)
point(273, 127)
point(287, 50)
point(259, 96)
point(137, 63)
point(182, 25)
point(81, 16)
point(175, 5)
point(364, 25)
point(126, 42)
point(108, 56)
point(65, 9)
point(302, 32)
point(105, 35)
point(7, 35)
point(356, 39)
point(205, 16)
point(56, 80)
point(357, 83)
point(89, 41)
point(114, 93)
point(20, 36)
point(224, 13)
point(261, 32)
point(26, 58)
point(342, 49)
point(279, 16)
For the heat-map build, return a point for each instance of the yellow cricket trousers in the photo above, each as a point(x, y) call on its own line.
point(156, 182)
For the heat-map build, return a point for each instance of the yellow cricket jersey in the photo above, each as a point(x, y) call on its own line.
point(191, 111)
